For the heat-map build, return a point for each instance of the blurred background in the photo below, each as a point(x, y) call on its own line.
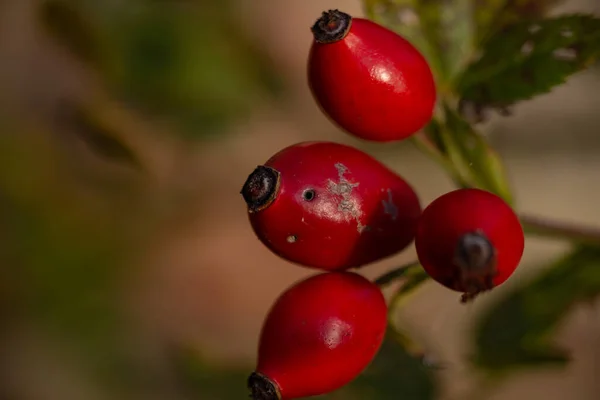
point(128, 268)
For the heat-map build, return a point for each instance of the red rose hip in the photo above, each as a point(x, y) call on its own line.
point(369, 80)
point(319, 335)
point(469, 240)
point(330, 206)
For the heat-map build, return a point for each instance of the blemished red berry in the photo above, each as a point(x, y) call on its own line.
point(469, 240)
point(369, 80)
point(330, 206)
point(320, 334)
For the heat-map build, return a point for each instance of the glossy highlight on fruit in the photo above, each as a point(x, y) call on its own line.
point(330, 206)
point(369, 80)
point(469, 240)
point(320, 334)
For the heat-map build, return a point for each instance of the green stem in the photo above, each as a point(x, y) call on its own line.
point(428, 149)
point(394, 274)
point(560, 230)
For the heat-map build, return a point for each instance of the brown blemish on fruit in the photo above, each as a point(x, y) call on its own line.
point(344, 189)
point(389, 207)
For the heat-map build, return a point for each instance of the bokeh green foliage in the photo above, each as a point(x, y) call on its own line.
point(64, 247)
point(518, 331)
point(72, 233)
point(191, 62)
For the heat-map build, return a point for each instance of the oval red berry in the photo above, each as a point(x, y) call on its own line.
point(370, 81)
point(318, 336)
point(330, 206)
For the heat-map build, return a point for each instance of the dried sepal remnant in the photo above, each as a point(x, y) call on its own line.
point(260, 189)
point(332, 26)
point(476, 262)
point(262, 388)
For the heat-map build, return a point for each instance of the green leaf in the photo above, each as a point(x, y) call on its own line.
point(441, 30)
point(517, 331)
point(477, 157)
point(529, 58)
point(393, 374)
point(492, 16)
point(466, 154)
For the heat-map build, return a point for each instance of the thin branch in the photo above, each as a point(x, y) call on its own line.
point(561, 230)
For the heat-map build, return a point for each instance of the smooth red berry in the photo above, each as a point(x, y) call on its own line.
point(469, 240)
point(369, 80)
point(319, 335)
point(330, 206)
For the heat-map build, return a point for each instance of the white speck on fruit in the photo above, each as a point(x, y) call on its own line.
point(291, 239)
point(347, 205)
point(389, 207)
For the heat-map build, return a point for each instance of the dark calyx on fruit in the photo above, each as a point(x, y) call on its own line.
point(260, 188)
point(262, 388)
point(332, 26)
point(476, 261)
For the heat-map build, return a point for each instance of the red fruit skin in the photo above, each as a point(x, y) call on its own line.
point(321, 334)
point(362, 211)
point(453, 214)
point(373, 83)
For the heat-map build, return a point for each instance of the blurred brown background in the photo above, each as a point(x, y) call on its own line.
point(161, 233)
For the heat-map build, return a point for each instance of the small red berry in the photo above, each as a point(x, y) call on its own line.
point(330, 206)
point(469, 240)
point(320, 334)
point(369, 80)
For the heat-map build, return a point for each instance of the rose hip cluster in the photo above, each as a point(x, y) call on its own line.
point(332, 207)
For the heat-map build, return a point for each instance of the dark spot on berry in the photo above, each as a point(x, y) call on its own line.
point(331, 27)
point(261, 187)
point(475, 260)
point(309, 195)
point(474, 251)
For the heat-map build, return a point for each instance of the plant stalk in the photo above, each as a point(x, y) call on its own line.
point(550, 228)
